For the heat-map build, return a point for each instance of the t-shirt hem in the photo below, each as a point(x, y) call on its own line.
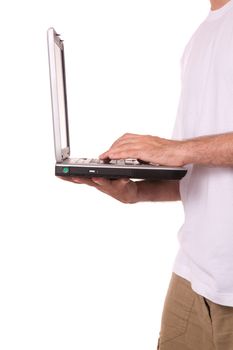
point(201, 289)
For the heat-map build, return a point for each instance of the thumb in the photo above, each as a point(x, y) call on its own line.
point(125, 180)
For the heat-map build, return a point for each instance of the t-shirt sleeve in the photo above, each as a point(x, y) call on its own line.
point(177, 133)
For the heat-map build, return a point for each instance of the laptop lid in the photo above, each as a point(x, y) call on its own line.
point(58, 95)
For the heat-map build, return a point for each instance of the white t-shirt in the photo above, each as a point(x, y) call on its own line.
point(205, 257)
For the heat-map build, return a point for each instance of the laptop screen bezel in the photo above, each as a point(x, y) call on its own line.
point(61, 153)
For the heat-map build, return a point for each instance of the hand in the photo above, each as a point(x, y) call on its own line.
point(123, 190)
point(148, 148)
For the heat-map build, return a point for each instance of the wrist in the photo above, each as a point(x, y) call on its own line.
point(195, 150)
point(186, 152)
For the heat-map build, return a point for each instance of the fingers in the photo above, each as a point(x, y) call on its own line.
point(109, 184)
point(99, 182)
point(129, 150)
point(87, 181)
point(126, 138)
point(65, 178)
point(120, 189)
point(134, 146)
point(128, 147)
point(113, 187)
point(77, 180)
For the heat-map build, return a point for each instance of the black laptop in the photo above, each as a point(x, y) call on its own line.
point(67, 166)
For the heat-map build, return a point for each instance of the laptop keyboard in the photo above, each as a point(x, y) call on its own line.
point(112, 161)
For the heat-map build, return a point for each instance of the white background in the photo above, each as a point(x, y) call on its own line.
point(79, 270)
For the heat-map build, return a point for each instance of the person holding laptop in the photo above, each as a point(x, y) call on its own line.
point(198, 308)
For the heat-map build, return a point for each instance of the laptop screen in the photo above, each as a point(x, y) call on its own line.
point(61, 95)
point(58, 93)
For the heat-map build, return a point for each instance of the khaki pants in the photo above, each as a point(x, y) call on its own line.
point(192, 322)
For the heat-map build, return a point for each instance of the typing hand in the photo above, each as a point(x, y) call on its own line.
point(147, 148)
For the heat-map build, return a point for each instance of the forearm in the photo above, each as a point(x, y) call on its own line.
point(158, 191)
point(214, 150)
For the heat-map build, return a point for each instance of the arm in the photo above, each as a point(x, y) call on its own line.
point(214, 150)
point(158, 191)
point(207, 150)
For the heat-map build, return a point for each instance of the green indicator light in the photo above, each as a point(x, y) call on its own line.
point(65, 170)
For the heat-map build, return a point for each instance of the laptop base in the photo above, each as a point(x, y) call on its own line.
point(117, 173)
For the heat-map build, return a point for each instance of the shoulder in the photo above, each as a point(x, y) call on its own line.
point(190, 42)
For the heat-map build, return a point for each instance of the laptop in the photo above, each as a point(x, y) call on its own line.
point(86, 167)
